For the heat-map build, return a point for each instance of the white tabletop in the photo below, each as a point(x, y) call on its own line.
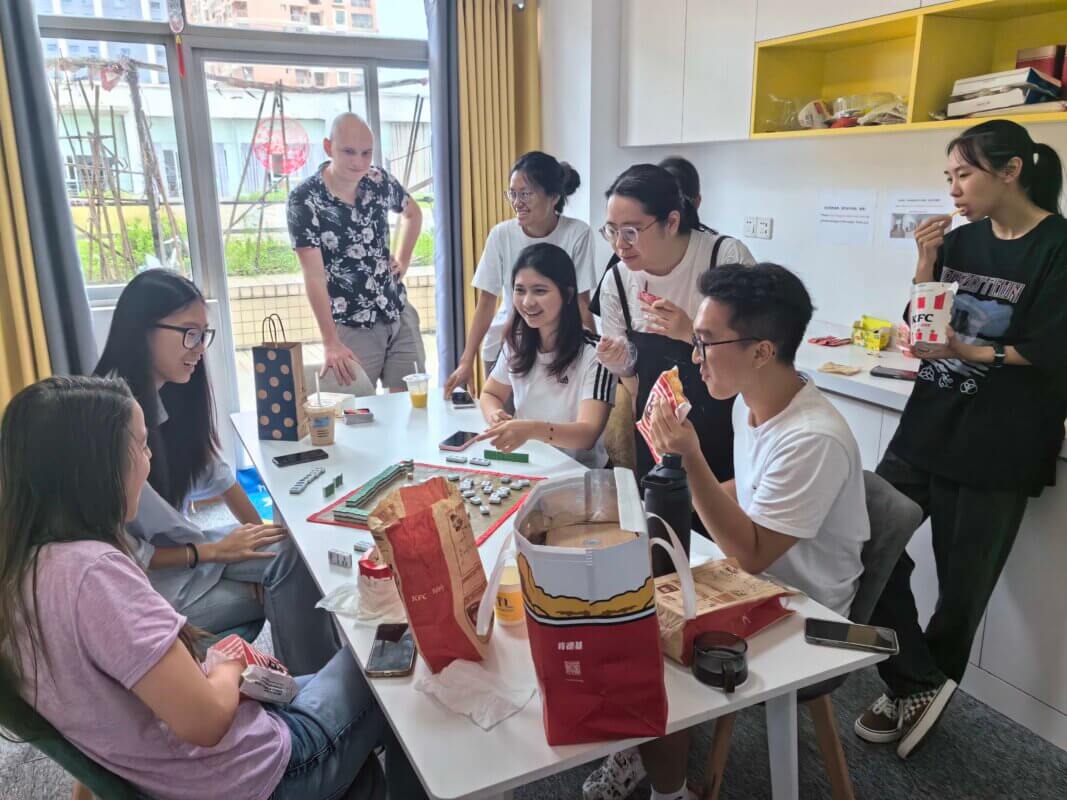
point(455, 758)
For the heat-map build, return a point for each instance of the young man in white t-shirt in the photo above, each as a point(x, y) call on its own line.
point(796, 508)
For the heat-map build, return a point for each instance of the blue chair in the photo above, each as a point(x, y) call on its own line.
point(894, 519)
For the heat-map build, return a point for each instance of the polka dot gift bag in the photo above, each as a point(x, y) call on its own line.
point(280, 391)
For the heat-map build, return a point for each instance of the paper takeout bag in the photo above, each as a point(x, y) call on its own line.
point(424, 533)
point(727, 599)
point(582, 548)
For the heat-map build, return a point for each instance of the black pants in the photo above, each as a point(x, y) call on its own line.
point(973, 532)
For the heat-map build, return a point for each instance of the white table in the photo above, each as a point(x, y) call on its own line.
point(453, 757)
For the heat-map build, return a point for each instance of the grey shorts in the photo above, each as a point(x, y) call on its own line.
point(389, 350)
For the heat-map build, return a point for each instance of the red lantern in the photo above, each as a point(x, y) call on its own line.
point(281, 145)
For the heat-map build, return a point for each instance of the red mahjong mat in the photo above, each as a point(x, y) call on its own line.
point(484, 526)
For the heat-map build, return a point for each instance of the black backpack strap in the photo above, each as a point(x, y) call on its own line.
point(594, 301)
point(623, 302)
point(715, 251)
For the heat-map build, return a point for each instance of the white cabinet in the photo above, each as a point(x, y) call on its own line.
point(685, 70)
point(1025, 641)
point(651, 71)
point(776, 18)
point(719, 50)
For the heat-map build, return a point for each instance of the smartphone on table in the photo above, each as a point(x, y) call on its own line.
point(892, 372)
point(302, 457)
point(461, 398)
point(393, 653)
point(460, 440)
point(871, 638)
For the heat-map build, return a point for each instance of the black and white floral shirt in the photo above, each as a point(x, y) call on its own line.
point(354, 241)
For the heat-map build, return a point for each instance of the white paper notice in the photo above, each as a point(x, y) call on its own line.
point(907, 210)
point(845, 218)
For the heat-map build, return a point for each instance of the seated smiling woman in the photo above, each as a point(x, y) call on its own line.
point(562, 394)
point(88, 644)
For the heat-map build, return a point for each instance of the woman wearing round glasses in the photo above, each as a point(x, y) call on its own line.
point(648, 298)
point(538, 192)
point(228, 577)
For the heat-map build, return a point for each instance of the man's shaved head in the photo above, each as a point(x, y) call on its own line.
point(348, 124)
point(350, 147)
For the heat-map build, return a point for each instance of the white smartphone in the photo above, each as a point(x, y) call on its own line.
point(849, 635)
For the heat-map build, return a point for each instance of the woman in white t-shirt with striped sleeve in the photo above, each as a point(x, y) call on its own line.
point(538, 191)
point(548, 363)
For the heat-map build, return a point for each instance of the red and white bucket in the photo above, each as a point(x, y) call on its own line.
point(930, 312)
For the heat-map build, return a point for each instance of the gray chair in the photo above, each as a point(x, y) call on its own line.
point(894, 518)
point(360, 386)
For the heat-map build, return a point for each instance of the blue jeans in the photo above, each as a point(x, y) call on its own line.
point(304, 637)
point(335, 724)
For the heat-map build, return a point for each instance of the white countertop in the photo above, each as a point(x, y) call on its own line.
point(886, 392)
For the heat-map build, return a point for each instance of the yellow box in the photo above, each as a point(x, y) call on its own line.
point(871, 332)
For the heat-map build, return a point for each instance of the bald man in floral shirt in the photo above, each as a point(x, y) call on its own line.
point(339, 226)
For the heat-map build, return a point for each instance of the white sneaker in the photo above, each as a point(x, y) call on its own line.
point(616, 778)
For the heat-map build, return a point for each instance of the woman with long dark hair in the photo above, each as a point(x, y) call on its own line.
point(219, 579)
point(87, 644)
point(984, 424)
point(648, 298)
point(562, 394)
point(537, 192)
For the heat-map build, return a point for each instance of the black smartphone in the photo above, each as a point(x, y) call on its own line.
point(461, 398)
point(393, 653)
point(891, 372)
point(851, 636)
point(460, 440)
point(302, 457)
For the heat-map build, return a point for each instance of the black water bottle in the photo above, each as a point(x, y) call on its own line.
point(667, 494)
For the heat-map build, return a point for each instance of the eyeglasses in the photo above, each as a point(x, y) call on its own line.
point(193, 337)
point(702, 347)
point(524, 197)
point(628, 233)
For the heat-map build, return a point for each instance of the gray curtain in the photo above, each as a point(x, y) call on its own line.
point(441, 22)
point(64, 304)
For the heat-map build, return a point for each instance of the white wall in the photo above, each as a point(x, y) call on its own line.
point(781, 179)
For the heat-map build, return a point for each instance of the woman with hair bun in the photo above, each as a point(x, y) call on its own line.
point(538, 192)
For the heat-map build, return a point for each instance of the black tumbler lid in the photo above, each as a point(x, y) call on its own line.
point(671, 461)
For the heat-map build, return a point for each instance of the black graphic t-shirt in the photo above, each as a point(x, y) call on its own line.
point(354, 241)
point(982, 426)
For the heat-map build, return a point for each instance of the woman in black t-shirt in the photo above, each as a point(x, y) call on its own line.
point(985, 422)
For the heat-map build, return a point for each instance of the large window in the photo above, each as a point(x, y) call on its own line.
point(194, 173)
point(115, 120)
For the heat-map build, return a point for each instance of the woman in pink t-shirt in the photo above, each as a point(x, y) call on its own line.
point(90, 646)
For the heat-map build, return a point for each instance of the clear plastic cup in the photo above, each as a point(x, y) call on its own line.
point(418, 388)
point(322, 417)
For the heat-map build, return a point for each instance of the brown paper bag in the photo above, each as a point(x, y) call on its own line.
point(727, 599)
point(424, 533)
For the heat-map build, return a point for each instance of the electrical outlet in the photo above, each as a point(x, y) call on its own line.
point(764, 227)
point(750, 227)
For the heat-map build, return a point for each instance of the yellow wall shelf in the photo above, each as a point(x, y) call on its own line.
point(916, 54)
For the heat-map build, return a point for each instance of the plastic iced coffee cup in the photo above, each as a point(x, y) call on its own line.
point(418, 387)
point(509, 609)
point(322, 416)
point(930, 312)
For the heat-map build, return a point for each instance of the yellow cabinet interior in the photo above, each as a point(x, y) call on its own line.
point(916, 54)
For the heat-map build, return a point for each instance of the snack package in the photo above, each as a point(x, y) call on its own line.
point(668, 388)
point(265, 678)
point(424, 533)
point(727, 599)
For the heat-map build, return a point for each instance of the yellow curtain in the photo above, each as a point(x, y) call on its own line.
point(23, 351)
point(499, 118)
